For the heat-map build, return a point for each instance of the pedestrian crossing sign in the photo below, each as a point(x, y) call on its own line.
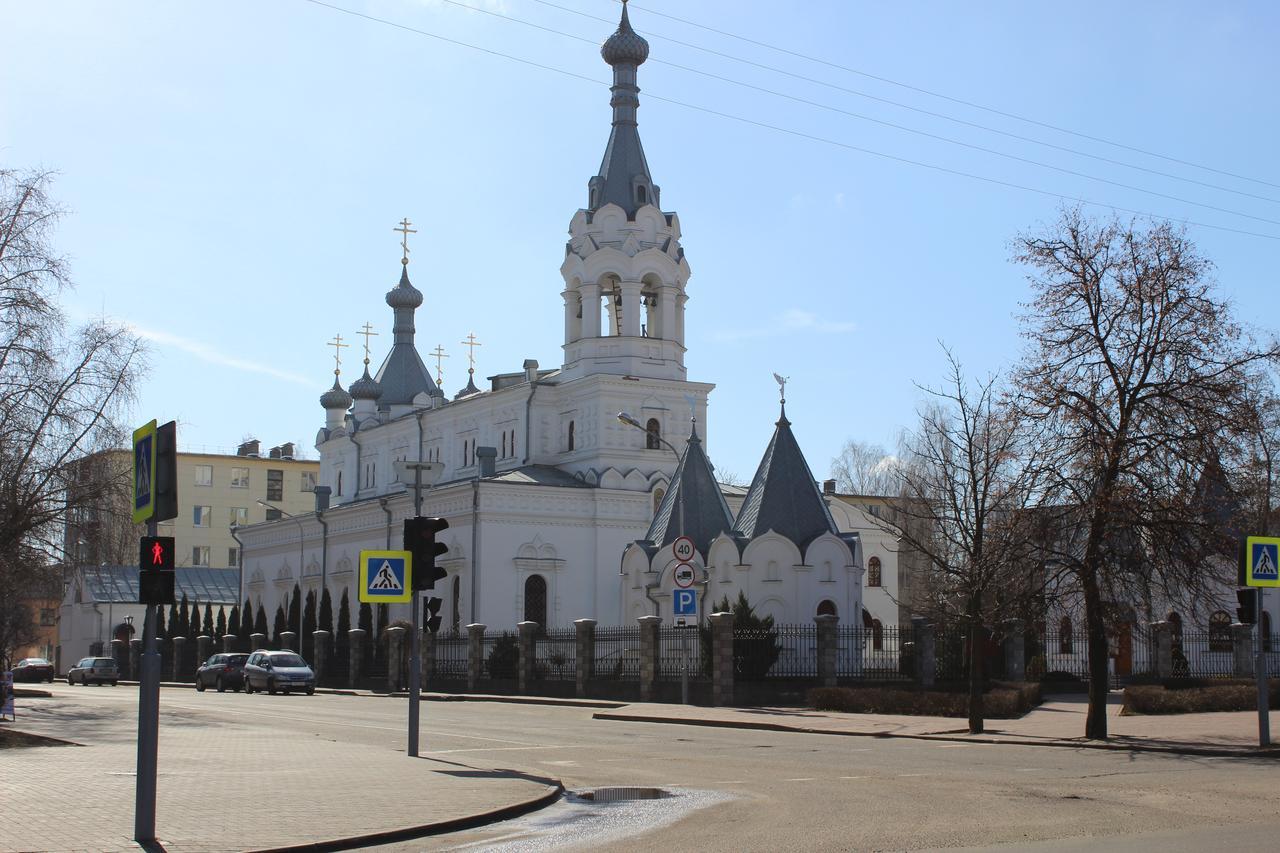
point(1262, 566)
point(386, 577)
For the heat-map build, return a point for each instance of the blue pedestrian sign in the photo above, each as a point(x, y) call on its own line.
point(684, 604)
point(1262, 566)
point(386, 577)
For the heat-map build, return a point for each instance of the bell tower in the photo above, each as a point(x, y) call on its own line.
point(624, 269)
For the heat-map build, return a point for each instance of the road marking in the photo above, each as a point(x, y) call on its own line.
point(855, 777)
point(801, 779)
point(730, 782)
point(906, 775)
point(1028, 770)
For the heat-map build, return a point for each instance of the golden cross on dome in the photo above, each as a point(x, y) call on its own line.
point(471, 343)
point(368, 332)
point(439, 353)
point(405, 231)
point(338, 347)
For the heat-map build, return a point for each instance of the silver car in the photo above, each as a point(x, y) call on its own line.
point(278, 671)
point(96, 670)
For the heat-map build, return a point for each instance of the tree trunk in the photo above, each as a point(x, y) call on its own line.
point(1099, 683)
point(977, 665)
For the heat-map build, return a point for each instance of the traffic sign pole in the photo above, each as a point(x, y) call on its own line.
point(144, 808)
point(1260, 671)
point(415, 653)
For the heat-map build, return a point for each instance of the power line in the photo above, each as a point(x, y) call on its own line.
point(788, 131)
point(955, 100)
point(828, 84)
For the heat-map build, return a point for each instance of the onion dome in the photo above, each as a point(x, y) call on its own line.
point(404, 295)
point(366, 388)
point(335, 397)
point(625, 46)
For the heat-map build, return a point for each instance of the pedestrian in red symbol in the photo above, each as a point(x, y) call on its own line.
point(157, 554)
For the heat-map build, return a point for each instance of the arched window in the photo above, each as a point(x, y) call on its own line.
point(1066, 642)
point(1264, 628)
point(504, 444)
point(877, 635)
point(1219, 631)
point(456, 622)
point(339, 482)
point(513, 442)
point(571, 435)
point(535, 600)
point(1175, 628)
point(641, 195)
point(826, 607)
point(873, 571)
point(652, 434)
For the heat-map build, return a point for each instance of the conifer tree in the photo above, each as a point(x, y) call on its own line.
point(206, 626)
point(246, 623)
point(326, 612)
point(279, 627)
point(308, 638)
point(294, 622)
point(260, 621)
point(221, 625)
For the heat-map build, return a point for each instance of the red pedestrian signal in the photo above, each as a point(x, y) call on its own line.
point(156, 553)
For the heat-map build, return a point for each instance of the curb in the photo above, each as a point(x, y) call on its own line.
point(408, 833)
point(1208, 751)
point(428, 697)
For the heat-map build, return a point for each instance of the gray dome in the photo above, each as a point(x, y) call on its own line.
point(335, 397)
point(404, 295)
point(365, 388)
point(625, 46)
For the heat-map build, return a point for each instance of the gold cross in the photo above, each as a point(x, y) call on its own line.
point(405, 231)
point(471, 343)
point(368, 332)
point(439, 353)
point(338, 347)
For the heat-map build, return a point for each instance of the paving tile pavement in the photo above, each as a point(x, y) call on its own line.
point(241, 788)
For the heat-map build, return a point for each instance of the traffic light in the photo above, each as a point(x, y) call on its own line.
point(431, 613)
point(155, 570)
point(420, 540)
point(1247, 612)
point(166, 472)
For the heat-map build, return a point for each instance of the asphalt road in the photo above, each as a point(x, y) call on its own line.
point(749, 790)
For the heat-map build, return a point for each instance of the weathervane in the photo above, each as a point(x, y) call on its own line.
point(405, 231)
point(782, 387)
point(338, 347)
point(440, 355)
point(368, 332)
point(471, 343)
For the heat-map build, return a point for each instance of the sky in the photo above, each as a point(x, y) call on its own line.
point(232, 173)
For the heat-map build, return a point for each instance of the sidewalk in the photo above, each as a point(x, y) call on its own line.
point(252, 788)
point(1059, 721)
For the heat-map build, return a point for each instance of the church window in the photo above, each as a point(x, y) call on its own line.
point(1066, 642)
point(571, 435)
point(873, 571)
point(513, 443)
point(535, 600)
point(877, 635)
point(642, 195)
point(826, 607)
point(504, 444)
point(1219, 631)
point(652, 435)
point(339, 482)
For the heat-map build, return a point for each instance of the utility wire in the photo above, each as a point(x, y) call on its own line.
point(955, 100)
point(789, 131)
point(820, 82)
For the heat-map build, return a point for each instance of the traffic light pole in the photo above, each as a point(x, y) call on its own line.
point(1260, 671)
point(415, 633)
point(144, 810)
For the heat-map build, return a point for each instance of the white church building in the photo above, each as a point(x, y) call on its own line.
point(557, 510)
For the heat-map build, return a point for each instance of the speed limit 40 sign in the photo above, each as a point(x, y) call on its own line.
point(683, 549)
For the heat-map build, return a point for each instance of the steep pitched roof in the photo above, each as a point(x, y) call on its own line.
point(694, 505)
point(783, 496)
point(403, 374)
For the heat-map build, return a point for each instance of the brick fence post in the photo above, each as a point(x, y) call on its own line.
point(395, 643)
point(427, 658)
point(289, 640)
point(648, 656)
point(229, 642)
point(179, 646)
point(475, 654)
point(721, 658)
point(135, 654)
point(204, 648)
point(1015, 652)
point(828, 646)
point(585, 654)
point(320, 654)
point(257, 641)
point(1242, 649)
point(355, 654)
point(1163, 637)
point(926, 651)
point(528, 654)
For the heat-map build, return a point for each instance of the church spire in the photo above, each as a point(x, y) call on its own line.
point(403, 375)
point(624, 177)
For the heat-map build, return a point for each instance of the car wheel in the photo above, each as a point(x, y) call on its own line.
point(311, 691)
point(70, 683)
point(115, 684)
point(248, 686)
point(199, 685)
point(219, 686)
point(271, 686)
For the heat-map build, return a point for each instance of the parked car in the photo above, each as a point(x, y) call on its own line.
point(222, 671)
point(97, 670)
point(33, 669)
point(272, 671)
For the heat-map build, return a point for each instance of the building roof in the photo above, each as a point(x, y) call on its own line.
point(119, 584)
point(624, 166)
point(403, 375)
point(538, 475)
point(783, 496)
point(694, 505)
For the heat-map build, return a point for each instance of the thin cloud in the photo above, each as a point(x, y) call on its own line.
point(206, 353)
point(788, 323)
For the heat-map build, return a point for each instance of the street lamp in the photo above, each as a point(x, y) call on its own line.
point(276, 508)
point(301, 556)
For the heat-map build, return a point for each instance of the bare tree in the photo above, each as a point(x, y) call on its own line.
point(968, 476)
point(1135, 375)
point(63, 389)
point(866, 469)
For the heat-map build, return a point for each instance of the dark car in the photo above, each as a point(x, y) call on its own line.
point(98, 670)
point(273, 671)
point(223, 671)
point(33, 669)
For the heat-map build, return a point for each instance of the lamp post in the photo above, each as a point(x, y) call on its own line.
point(301, 556)
point(424, 474)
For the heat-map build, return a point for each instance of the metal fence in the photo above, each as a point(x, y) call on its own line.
point(681, 647)
point(500, 656)
point(451, 657)
point(874, 653)
point(555, 655)
point(617, 651)
point(783, 651)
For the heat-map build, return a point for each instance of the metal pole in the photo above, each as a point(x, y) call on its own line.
point(415, 651)
point(144, 809)
point(684, 671)
point(1260, 672)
